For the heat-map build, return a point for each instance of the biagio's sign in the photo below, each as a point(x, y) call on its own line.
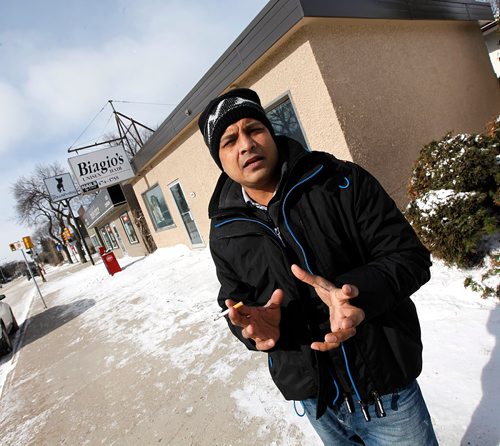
point(101, 169)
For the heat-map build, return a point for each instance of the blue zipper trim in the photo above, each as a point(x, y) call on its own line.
point(311, 272)
point(349, 372)
point(337, 390)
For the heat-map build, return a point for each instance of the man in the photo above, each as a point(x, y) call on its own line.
point(324, 263)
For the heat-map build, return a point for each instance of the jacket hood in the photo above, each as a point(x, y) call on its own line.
point(227, 194)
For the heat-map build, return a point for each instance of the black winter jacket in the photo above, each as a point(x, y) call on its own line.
point(333, 219)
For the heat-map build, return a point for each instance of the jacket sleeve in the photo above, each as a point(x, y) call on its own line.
point(397, 262)
point(231, 288)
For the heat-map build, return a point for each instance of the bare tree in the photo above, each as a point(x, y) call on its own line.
point(49, 252)
point(34, 207)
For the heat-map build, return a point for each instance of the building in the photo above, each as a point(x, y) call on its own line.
point(491, 33)
point(369, 81)
point(112, 221)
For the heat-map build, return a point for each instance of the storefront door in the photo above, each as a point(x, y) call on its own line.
point(117, 236)
point(186, 215)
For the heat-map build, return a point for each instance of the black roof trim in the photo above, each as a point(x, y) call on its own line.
point(272, 23)
point(400, 9)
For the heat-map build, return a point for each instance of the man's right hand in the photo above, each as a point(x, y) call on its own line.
point(262, 324)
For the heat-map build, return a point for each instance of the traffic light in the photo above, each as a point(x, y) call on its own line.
point(28, 243)
point(67, 235)
point(12, 246)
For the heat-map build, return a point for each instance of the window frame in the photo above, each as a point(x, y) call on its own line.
point(194, 245)
point(281, 99)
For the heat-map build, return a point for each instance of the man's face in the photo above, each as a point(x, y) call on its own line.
point(249, 155)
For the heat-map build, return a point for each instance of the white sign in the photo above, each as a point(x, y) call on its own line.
point(100, 169)
point(60, 187)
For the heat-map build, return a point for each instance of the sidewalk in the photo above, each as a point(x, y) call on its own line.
point(76, 383)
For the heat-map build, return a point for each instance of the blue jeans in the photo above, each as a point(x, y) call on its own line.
point(407, 422)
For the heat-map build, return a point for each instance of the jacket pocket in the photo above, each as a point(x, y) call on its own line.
point(293, 373)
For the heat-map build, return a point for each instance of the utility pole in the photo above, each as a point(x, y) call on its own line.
point(33, 277)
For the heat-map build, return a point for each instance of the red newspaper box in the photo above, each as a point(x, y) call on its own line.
point(109, 260)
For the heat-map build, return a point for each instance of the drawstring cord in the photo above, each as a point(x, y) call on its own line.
point(336, 389)
point(303, 408)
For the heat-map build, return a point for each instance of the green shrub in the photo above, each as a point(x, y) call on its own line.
point(489, 286)
point(455, 191)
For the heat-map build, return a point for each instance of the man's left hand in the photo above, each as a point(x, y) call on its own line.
point(344, 317)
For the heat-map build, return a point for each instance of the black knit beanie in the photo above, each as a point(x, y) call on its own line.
point(227, 109)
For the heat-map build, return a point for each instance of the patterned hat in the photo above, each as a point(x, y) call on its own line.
point(225, 110)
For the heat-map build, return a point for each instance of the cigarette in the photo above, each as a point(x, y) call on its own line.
point(225, 312)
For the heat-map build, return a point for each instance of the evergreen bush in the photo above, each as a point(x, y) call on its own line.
point(455, 196)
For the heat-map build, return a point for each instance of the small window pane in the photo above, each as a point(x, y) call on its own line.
point(111, 236)
point(95, 241)
point(285, 122)
point(179, 198)
point(129, 228)
point(106, 239)
point(157, 208)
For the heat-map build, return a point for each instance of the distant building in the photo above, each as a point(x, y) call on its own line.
point(111, 221)
point(491, 33)
point(366, 80)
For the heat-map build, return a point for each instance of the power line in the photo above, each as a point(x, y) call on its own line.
point(90, 123)
point(107, 122)
point(110, 102)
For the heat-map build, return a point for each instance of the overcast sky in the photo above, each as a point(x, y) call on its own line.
point(60, 62)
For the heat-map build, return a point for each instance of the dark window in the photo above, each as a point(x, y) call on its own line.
point(157, 207)
point(107, 239)
point(285, 122)
point(109, 232)
point(129, 228)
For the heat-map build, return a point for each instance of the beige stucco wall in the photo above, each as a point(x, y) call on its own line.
point(398, 84)
point(372, 91)
point(288, 68)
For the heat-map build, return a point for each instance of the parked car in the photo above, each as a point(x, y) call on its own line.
point(8, 325)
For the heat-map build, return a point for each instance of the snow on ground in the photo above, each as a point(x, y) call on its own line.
point(175, 289)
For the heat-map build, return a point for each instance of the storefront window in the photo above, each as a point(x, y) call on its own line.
point(285, 122)
point(129, 228)
point(157, 208)
point(95, 241)
point(111, 236)
point(106, 239)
